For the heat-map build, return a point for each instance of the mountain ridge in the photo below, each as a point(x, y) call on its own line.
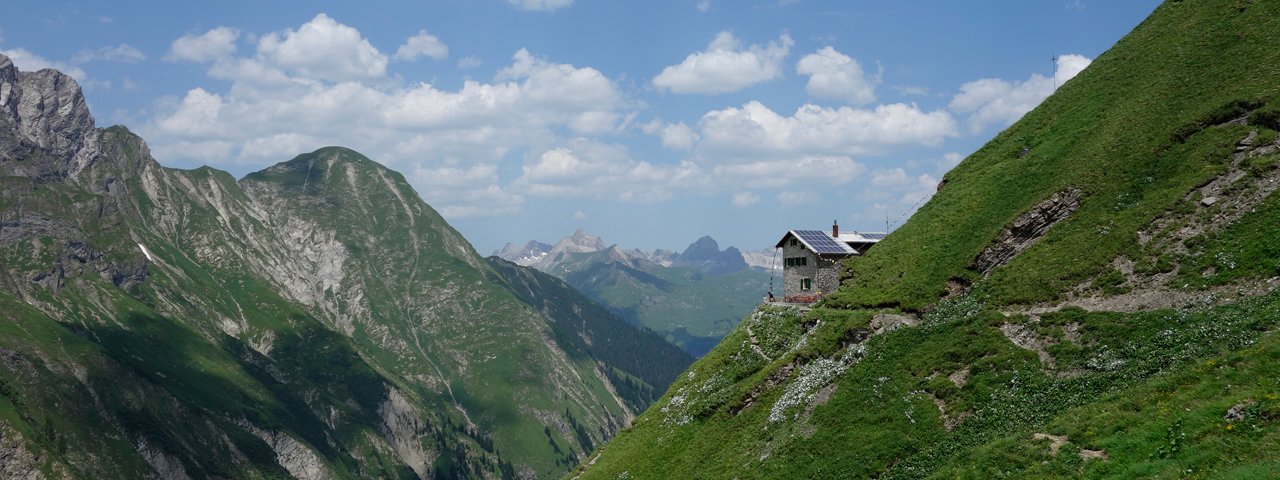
point(692, 297)
point(315, 319)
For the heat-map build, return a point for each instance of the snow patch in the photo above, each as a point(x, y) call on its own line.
point(145, 252)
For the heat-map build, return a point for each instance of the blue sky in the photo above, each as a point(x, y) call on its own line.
point(648, 123)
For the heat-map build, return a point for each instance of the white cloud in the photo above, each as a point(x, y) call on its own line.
point(579, 215)
point(532, 99)
point(675, 136)
point(323, 49)
point(465, 191)
point(754, 130)
point(725, 66)
point(468, 62)
point(745, 199)
point(27, 61)
point(588, 168)
point(704, 6)
point(281, 103)
point(123, 53)
point(422, 44)
point(209, 46)
point(993, 101)
point(542, 5)
point(791, 199)
point(834, 75)
point(895, 177)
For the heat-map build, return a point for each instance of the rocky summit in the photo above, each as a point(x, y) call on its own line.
point(315, 319)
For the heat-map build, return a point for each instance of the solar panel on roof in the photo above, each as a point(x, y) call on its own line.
point(823, 243)
point(874, 236)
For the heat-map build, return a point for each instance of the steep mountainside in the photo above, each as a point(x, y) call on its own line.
point(315, 319)
point(643, 363)
point(1091, 294)
point(692, 298)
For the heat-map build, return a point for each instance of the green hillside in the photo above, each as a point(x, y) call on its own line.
point(1091, 294)
point(644, 364)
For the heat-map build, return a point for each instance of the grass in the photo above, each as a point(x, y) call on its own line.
point(963, 393)
point(1125, 132)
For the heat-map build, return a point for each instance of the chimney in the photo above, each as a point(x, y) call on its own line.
point(835, 229)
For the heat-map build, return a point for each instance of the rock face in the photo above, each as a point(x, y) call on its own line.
point(16, 461)
point(46, 109)
point(315, 319)
point(1025, 230)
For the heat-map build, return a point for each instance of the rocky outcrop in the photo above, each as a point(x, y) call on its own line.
point(1025, 230)
point(403, 429)
point(16, 461)
point(300, 460)
point(48, 111)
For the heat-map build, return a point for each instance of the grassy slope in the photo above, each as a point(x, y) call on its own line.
point(498, 338)
point(1135, 134)
point(1107, 132)
point(585, 329)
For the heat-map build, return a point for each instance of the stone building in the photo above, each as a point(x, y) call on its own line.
point(811, 259)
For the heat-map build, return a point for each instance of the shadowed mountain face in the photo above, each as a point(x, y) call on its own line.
point(1095, 293)
point(315, 319)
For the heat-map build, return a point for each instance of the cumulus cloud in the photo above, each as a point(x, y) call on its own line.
point(279, 105)
point(675, 136)
point(27, 61)
point(837, 76)
point(589, 168)
point(324, 49)
point(123, 53)
point(725, 66)
point(704, 6)
point(754, 130)
point(458, 191)
point(209, 46)
point(745, 199)
point(993, 101)
point(540, 5)
point(482, 120)
point(420, 45)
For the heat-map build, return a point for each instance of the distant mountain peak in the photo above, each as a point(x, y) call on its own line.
point(705, 254)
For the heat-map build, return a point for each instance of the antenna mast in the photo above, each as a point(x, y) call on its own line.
point(1054, 59)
